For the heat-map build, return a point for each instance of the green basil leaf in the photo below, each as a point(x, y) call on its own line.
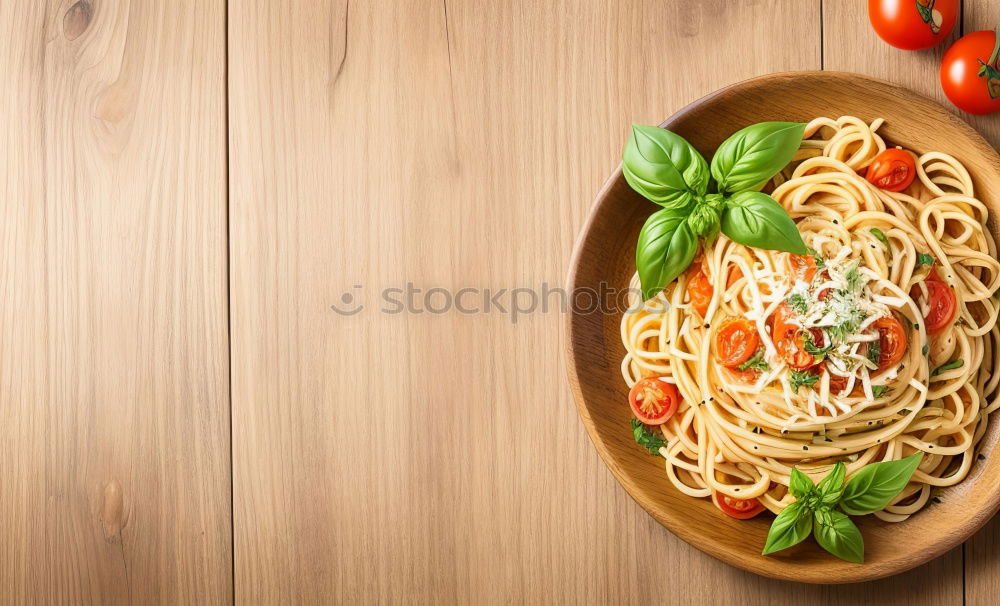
point(874, 485)
point(799, 484)
point(664, 167)
point(881, 236)
point(831, 487)
point(753, 155)
point(645, 438)
point(790, 527)
point(666, 248)
point(836, 533)
point(755, 219)
point(949, 366)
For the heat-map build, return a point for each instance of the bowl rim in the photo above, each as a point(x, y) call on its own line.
point(861, 573)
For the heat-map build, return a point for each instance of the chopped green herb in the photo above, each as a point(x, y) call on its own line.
point(646, 439)
point(926, 348)
point(924, 259)
point(874, 352)
point(949, 366)
point(797, 301)
point(800, 378)
point(881, 236)
point(879, 390)
point(853, 277)
point(812, 348)
point(755, 363)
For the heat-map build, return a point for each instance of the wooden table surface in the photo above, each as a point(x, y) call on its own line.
point(187, 189)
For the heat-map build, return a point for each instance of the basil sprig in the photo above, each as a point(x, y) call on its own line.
point(669, 171)
point(645, 438)
point(823, 509)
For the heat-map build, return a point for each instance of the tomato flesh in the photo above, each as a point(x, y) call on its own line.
point(736, 342)
point(700, 291)
point(653, 401)
point(892, 170)
point(892, 341)
point(741, 509)
point(970, 73)
point(941, 302)
point(913, 24)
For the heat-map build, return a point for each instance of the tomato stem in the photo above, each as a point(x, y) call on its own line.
point(996, 46)
point(991, 64)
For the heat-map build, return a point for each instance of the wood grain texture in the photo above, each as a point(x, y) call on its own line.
point(114, 455)
point(454, 146)
point(982, 552)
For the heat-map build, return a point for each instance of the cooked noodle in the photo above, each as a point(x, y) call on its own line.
point(741, 433)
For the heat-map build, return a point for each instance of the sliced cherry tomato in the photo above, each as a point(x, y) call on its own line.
point(891, 340)
point(913, 24)
point(942, 303)
point(700, 290)
point(653, 401)
point(735, 342)
point(741, 509)
point(892, 170)
point(970, 73)
point(790, 340)
point(801, 267)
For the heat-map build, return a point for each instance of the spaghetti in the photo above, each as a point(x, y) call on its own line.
point(855, 358)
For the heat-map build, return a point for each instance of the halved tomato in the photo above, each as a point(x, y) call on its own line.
point(653, 401)
point(741, 509)
point(891, 340)
point(735, 342)
point(892, 170)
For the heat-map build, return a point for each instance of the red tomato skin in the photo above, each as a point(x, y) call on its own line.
point(734, 512)
point(943, 306)
point(960, 77)
point(900, 24)
point(892, 170)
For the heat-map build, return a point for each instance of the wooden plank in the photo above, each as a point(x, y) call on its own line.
point(438, 457)
point(982, 579)
point(114, 452)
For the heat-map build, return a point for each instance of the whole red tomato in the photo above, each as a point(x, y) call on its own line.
point(913, 24)
point(970, 73)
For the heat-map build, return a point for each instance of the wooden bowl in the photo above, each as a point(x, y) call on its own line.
point(605, 255)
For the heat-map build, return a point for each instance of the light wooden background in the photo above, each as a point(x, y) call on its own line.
point(186, 189)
